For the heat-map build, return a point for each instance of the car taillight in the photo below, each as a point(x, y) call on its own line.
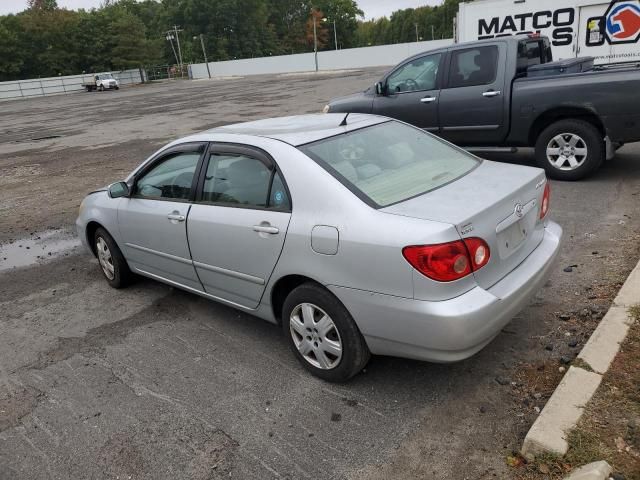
point(451, 261)
point(546, 198)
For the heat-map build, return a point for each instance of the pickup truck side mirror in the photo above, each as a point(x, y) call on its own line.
point(118, 190)
point(380, 88)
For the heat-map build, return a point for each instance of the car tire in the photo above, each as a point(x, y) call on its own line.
point(570, 149)
point(101, 88)
point(112, 263)
point(305, 325)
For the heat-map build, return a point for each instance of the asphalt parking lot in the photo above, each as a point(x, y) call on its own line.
point(152, 383)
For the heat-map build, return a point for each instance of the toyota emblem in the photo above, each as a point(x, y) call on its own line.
point(519, 210)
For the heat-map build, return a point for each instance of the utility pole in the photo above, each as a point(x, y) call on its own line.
point(433, 35)
point(169, 37)
point(335, 32)
point(417, 37)
point(315, 40)
point(176, 31)
point(204, 52)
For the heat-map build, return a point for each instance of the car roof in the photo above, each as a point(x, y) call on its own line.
point(300, 129)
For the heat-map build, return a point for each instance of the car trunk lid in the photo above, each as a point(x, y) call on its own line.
point(497, 202)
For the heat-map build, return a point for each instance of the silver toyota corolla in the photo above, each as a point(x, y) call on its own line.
point(359, 235)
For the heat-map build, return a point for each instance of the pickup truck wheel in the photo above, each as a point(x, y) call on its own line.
point(322, 334)
point(570, 150)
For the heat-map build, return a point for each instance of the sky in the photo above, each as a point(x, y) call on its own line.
point(371, 8)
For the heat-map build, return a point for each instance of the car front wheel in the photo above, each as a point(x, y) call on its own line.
point(112, 262)
point(570, 149)
point(322, 334)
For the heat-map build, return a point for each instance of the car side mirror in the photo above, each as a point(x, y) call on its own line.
point(380, 88)
point(118, 190)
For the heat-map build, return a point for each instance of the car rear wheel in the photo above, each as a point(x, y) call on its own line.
point(570, 149)
point(112, 262)
point(322, 334)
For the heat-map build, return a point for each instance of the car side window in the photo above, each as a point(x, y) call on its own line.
point(171, 179)
point(419, 74)
point(241, 180)
point(473, 66)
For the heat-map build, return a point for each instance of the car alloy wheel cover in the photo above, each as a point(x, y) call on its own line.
point(567, 151)
point(105, 258)
point(315, 336)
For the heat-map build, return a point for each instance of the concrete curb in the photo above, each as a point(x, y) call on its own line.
point(593, 471)
point(565, 407)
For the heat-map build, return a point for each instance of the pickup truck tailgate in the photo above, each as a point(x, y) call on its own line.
point(497, 202)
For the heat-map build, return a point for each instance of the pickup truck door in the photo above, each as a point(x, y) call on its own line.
point(472, 102)
point(411, 92)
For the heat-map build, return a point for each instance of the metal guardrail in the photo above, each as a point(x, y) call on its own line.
point(61, 85)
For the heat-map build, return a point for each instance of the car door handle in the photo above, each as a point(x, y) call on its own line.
point(492, 93)
point(266, 229)
point(428, 99)
point(176, 217)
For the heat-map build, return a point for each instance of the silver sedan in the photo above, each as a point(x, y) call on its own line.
point(359, 235)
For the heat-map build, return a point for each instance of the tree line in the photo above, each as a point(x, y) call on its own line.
point(45, 40)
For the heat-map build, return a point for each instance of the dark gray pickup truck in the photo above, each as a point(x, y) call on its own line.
point(507, 93)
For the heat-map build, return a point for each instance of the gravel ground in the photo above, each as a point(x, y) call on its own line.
point(153, 383)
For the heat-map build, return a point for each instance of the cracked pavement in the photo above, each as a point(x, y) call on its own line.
point(152, 382)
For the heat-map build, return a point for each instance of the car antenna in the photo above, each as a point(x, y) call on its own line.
point(344, 121)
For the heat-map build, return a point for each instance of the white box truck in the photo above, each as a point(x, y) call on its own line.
point(608, 31)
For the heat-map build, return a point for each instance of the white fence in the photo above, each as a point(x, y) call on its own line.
point(328, 60)
point(60, 85)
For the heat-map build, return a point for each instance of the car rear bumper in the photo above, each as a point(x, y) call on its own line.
point(451, 330)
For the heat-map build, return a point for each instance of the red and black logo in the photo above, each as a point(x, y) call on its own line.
point(619, 25)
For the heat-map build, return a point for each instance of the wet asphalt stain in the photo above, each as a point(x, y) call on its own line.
point(18, 404)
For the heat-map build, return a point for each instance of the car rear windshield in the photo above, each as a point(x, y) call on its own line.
point(390, 162)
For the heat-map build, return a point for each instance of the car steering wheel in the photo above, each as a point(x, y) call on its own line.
point(411, 84)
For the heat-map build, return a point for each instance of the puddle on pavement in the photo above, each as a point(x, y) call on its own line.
point(37, 248)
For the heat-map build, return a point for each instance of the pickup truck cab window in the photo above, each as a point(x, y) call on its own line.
point(473, 66)
point(417, 75)
point(533, 52)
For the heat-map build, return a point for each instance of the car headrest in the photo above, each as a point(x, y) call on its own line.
point(246, 172)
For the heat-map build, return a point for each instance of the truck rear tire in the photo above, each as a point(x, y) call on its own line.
point(570, 149)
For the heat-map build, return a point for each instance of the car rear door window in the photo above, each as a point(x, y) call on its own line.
point(473, 66)
point(170, 179)
point(241, 180)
